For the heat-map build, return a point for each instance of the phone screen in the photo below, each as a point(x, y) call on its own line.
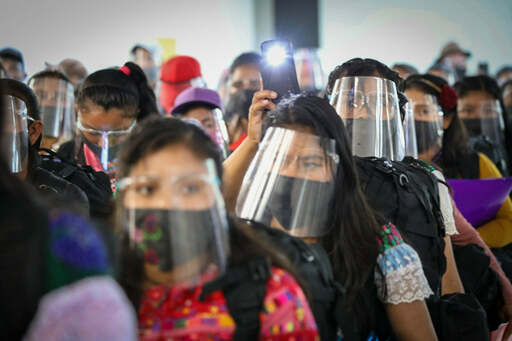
point(278, 68)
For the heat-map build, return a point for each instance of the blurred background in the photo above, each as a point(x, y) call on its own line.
point(100, 33)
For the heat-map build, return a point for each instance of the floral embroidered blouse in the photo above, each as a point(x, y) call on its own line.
point(178, 314)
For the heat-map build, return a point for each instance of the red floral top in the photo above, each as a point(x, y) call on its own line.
point(177, 314)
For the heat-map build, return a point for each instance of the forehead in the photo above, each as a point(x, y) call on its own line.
point(475, 97)
point(48, 83)
point(246, 71)
point(198, 112)
point(306, 140)
point(176, 159)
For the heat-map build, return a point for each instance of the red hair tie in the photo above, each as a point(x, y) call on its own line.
point(126, 70)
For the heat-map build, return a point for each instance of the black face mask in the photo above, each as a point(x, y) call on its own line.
point(51, 120)
point(299, 202)
point(473, 126)
point(173, 237)
point(426, 135)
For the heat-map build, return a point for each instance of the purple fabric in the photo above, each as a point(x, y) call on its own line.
point(196, 95)
point(480, 200)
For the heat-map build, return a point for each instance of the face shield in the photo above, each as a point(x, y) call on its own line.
point(370, 110)
point(483, 119)
point(411, 144)
point(99, 148)
point(290, 183)
point(220, 133)
point(14, 139)
point(309, 70)
point(56, 103)
point(428, 124)
point(177, 223)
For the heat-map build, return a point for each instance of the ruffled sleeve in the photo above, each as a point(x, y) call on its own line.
point(286, 313)
point(445, 200)
point(399, 277)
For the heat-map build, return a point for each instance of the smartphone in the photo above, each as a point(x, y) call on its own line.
point(277, 68)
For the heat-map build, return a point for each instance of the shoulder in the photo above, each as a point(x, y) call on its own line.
point(399, 277)
point(487, 168)
point(67, 150)
point(285, 308)
point(83, 307)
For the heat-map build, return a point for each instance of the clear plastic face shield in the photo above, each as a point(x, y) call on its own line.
point(290, 183)
point(411, 144)
point(177, 223)
point(370, 109)
point(482, 118)
point(309, 70)
point(14, 139)
point(427, 119)
point(99, 148)
point(56, 103)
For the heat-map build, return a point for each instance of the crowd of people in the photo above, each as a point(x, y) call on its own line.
point(140, 204)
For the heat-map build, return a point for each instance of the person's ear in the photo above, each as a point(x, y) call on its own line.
point(34, 131)
point(447, 121)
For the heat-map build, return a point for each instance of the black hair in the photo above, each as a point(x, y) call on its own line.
point(406, 67)
point(367, 68)
point(455, 138)
point(354, 228)
point(244, 59)
point(151, 136)
point(239, 104)
point(490, 86)
point(113, 88)
point(503, 70)
point(49, 74)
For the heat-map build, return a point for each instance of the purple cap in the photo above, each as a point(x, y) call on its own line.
point(196, 95)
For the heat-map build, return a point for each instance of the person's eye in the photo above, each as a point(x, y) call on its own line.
point(145, 189)
point(190, 188)
point(237, 84)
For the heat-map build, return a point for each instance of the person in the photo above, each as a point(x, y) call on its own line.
point(404, 70)
point(178, 246)
point(204, 106)
point(504, 75)
point(42, 247)
point(244, 72)
point(294, 188)
point(453, 155)
point(237, 116)
point(23, 133)
point(443, 71)
point(109, 104)
point(13, 62)
point(146, 56)
point(455, 59)
point(74, 70)
point(309, 71)
point(177, 74)
point(56, 100)
point(481, 109)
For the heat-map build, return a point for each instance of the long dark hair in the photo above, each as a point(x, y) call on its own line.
point(491, 87)
point(352, 239)
point(151, 136)
point(455, 138)
point(126, 88)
